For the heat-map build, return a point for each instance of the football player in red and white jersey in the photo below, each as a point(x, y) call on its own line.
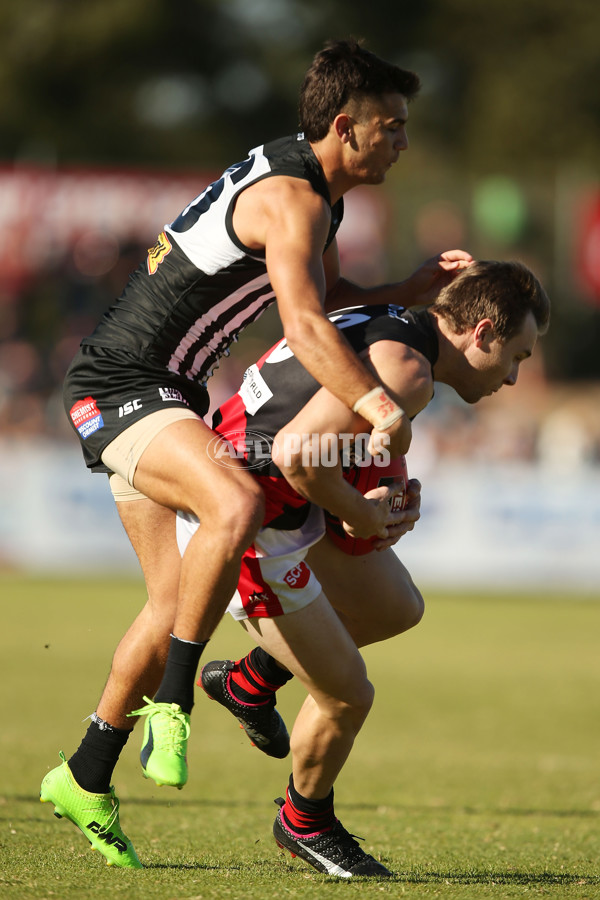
point(307, 603)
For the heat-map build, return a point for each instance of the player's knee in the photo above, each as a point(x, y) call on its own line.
point(240, 513)
point(363, 703)
point(409, 610)
point(416, 608)
point(356, 706)
point(248, 507)
point(367, 697)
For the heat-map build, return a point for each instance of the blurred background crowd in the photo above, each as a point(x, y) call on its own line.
point(116, 115)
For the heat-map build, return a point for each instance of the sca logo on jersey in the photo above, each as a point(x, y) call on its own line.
point(157, 253)
point(298, 576)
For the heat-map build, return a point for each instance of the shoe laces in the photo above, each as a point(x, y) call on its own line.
point(341, 844)
point(113, 818)
point(174, 732)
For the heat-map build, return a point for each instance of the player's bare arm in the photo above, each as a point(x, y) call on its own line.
point(422, 287)
point(304, 449)
point(287, 218)
point(404, 372)
point(296, 232)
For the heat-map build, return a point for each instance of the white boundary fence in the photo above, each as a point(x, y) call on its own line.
point(481, 527)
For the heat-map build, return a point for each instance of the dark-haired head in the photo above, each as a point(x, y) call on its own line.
point(345, 71)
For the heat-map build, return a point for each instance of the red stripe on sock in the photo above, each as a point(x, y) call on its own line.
point(267, 686)
point(256, 702)
point(262, 690)
point(304, 823)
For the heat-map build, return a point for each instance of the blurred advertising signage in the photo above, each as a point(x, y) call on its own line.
point(47, 215)
point(588, 245)
point(88, 217)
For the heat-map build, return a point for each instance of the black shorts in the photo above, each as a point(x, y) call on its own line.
point(106, 391)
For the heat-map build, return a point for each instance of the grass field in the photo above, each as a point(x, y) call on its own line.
point(477, 774)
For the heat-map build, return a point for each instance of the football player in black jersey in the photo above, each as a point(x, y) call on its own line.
point(307, 605)
point(135, 394)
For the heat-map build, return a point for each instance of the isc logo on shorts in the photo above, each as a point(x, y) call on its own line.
point(129, 407)
point(298, 576)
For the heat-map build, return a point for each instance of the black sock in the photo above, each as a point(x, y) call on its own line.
point(177, 685)
point(94, 761)
point(256, 677)
point(305, 816)
point(268, 668)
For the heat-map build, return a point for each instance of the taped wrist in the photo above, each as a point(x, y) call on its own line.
point(378, 408)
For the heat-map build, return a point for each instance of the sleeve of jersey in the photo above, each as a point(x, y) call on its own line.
point(405, 329)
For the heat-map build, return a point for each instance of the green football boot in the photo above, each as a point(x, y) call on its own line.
point(164, 748)
point(96, 815)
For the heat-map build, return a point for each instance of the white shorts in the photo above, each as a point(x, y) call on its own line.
point(274, 578)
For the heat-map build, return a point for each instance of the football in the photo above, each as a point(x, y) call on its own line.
point(365, 478)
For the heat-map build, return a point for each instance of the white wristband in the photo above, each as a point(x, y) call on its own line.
point(378, 408)
point(365, 398)
point(393, 417)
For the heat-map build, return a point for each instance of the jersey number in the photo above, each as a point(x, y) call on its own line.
point(203, 201)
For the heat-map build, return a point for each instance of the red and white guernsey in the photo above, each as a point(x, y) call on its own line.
point(277, 387)
point(275, 578)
